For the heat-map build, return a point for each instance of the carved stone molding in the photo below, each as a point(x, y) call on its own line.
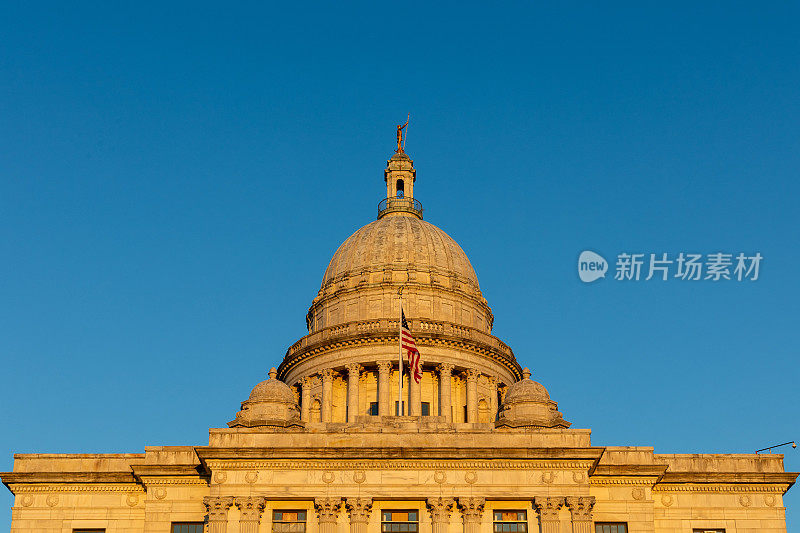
point(52, 500)
point(217, 507)
point(250, 507)
point(327, 509)
point(471, 509)
point(580, 507)
point(359, 509)
point(548, 508)
point(440, 509)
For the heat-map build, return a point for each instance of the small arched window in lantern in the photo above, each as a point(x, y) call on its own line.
point(400, 189)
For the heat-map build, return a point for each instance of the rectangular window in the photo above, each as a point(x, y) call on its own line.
point(426, 409)
point(510, 522)
point(611, 527)
point(400, 521)
point(373, 408)
point(708, 531)
point(285, 521)
point(187, 527)
point(397, 410)
point(88, 531)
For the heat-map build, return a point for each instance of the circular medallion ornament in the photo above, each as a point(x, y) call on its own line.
point(328, 476)
point(666, 500)
point(52, 500)
point(637, 493)
point(548, 477)
point(578, 477)
point(160, 493)
point(220, 477)
point(471, 477)
point(440, 476)
point(27, 500)
point(359, 476)
point(132, 500)
point(744, 500)
point(251, 477)
point(769, 499)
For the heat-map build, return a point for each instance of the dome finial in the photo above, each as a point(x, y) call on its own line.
point(400, 176)
point(273, 374)
point(526, 373)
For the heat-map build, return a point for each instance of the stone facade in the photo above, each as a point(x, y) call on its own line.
point(322, 435)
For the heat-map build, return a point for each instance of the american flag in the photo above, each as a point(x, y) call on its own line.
point(408, 343)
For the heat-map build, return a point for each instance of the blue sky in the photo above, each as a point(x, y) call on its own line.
point(175, 178)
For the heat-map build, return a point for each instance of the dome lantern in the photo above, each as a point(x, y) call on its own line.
point(400, 176)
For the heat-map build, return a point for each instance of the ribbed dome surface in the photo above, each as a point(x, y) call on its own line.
point(272, 390)
point(400, 243)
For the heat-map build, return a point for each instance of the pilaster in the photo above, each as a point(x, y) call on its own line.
point(359, 510)
point(440, 510)
point(250, 509)
point(328, 513)
point(472, 513)
point(548, 509)
point(580, 507)
point(217, 507)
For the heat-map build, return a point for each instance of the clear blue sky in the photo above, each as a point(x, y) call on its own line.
point(174, 179)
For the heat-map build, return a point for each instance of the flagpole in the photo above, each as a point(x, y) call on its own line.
point(400, 356)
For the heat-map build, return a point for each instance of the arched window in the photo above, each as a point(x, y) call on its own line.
point(400, 189)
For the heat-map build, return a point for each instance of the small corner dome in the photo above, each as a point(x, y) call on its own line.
point(528, 405)
point(272, 390)
point(271, 403)
point(526, 390)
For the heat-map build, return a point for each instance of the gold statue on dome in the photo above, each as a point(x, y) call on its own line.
point(400, 141)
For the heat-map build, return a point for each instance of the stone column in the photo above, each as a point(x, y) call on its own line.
point(384, 371)
point(440, 509)
point(305, 398)
point(327, 394)
point(328, 512)
point(359, 510)
point(472, 512)
point(472, 394)
point(548, 513)
point(250, 508)
point(353, 374)
point(580, 507)
point(445, 391)
point(414, 396)
point(217, 507)
point(493, 400)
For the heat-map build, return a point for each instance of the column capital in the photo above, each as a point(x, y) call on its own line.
point(445, 368)
point(353, 368)
point(250, 507)
point(580, 507)
point(472, 374)
point(440, 509)
point(217, 507)
point(327, 509)
point(471, 508)
point(548, 507)
point(384, 366)
point(305, 381)
point(359, 509)
point(327, 374)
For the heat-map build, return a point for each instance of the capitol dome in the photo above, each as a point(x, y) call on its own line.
point(346, 368)
point(404, 243)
